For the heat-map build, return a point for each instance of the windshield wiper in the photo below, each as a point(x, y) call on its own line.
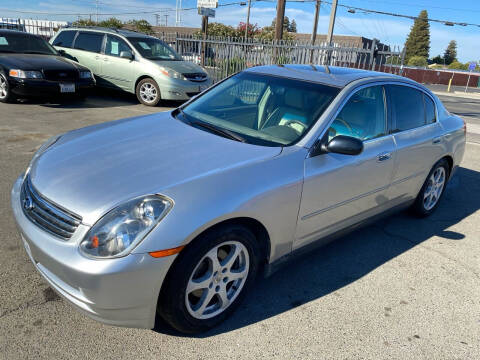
point(36, 52)
point(220, 131)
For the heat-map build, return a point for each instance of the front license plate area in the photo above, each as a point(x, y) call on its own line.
point(67, 88)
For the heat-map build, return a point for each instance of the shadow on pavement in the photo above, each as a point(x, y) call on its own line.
point(350, 258)
point(97, 98)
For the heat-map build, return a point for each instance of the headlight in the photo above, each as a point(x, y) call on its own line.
point(20, 74)
point(172, 73)
point(41, 150)
point(85, 75)
point(121, 229)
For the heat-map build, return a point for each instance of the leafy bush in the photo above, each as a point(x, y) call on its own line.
point(417, 61)
point(457, 65)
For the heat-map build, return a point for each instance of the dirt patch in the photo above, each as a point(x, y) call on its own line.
point(27, 137)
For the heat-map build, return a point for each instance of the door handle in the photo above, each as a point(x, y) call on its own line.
point(105, 59)
point(97, 57)
point(437, 140)
point(384, 156)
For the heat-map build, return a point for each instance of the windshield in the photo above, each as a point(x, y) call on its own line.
point(262, 109)
point(25, 44)
point(154, 49)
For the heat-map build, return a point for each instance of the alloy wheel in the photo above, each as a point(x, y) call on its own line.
point(148, 92)
point(434, 188)
point(217, 280)
point(3, 87)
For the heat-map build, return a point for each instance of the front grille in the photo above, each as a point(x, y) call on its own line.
point(46, 215)
point(61, 75)
point(198, 77)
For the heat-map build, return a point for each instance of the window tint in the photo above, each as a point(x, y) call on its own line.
point(65, 39)
point(429, 110)
point(115, 46)
point(407, 106)
point(89, 41)
point(363, 116)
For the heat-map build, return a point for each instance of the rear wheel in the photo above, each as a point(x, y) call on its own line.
point(5, 93)
point(209, 279)
point(432, 190)
point(148, 92)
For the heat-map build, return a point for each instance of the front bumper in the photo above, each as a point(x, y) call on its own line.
point(122, 291)
point(182, 90)
point(37, 88)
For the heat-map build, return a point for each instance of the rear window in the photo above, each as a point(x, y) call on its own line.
point(89, 41)
point(64, 39)
point(408, 107)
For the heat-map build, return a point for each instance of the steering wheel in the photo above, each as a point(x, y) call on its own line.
point(347, 125)
point(297, 122)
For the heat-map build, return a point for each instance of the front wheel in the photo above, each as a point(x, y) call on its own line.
point(432, 190)
point(5, 92)
point(148, 92)
point(209, 279)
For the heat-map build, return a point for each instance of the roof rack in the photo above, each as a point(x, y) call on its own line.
point(93, 28)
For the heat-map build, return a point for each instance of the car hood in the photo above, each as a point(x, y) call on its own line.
point(90, 170)
point(37, 62)
point(183, 67)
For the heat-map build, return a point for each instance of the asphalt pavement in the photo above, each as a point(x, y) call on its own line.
point(403, 288)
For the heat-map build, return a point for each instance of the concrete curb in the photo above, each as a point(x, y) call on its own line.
point(460, 94)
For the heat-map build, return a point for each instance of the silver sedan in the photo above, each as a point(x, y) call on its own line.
point(175, 213)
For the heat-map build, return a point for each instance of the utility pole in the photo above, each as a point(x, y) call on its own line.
point(96, 8)
point(279, 21)
point(315, 24)
point(166, 19)
point(157, 19)
point(248, 19)
point(205, 33)
point(331, 25)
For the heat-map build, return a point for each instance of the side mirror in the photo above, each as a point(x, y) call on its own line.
point(62, 52)
point(346, 145)
point(126, 55)
point(340, 144)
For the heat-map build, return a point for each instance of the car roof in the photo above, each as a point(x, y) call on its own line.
point(123, 32)
point(10, 31)
point(327, 75)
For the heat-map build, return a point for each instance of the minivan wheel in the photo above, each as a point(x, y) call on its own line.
point(148, 92)
point(432, 190)
point(209, 279)
point(5, 93)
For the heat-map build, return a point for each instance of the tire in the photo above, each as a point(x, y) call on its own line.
point(5, 93)
point(148, 92)
point(432, 190)
point(194, 279)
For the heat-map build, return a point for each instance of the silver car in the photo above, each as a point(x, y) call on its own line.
point(133, 62)
point(175, 213)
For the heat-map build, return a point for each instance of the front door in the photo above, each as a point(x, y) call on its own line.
point(341, 190)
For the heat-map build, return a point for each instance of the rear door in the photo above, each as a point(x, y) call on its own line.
point(417, 134)
point(116, 71)
point(341, 190)
point(87, 49)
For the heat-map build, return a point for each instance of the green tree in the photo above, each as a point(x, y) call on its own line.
point(457, 65)
point(450, 54)
point(141, 26)
point(418, 41)
point(112, 23)
point(218, 29)
point(417, 61)
point(437, 59)
point(293, 26)
point(84, 22)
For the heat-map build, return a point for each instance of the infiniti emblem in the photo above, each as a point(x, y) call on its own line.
point(28, 203)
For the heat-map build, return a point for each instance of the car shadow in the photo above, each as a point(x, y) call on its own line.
point(328, 269)
point(96, 98)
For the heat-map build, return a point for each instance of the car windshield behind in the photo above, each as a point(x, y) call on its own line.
point(25, 44)
point(154, 49)
point(261, 109)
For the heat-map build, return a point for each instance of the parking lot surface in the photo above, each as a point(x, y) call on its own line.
point(402, 288)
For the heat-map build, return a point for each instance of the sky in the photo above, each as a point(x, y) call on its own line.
point(390, 30)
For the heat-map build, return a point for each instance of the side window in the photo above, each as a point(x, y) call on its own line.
point(429, 110)
point(89, 41)
point(363, 116)
point(408, 107)
point(115, 46)
point(65, 39)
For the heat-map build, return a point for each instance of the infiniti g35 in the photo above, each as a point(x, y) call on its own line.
point(175, 213)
